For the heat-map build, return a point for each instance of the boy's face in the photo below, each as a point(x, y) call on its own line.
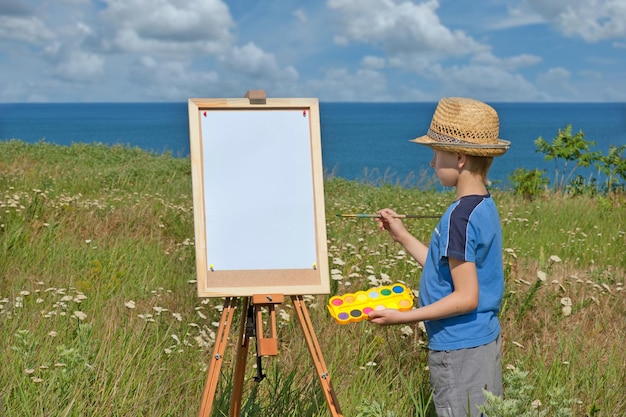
point(446, 166)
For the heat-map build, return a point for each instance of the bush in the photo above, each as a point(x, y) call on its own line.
point(528, 183)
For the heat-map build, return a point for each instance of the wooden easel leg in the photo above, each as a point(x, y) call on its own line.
point(218, 355)
point(316, 355)
point(240, 365)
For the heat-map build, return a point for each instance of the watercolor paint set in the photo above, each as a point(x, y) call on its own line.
point(354, 307)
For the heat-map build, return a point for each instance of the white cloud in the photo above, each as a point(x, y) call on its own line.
point(373, 62)
point(486, 83)
point(15, 8)
point(174, 27)
point(341, 85)
point(518, 15)
point(509, 64)
point(555, 75)
point(170, 80)
point(256, 63)
point(301, 15)
point(80, 66)
point(401, 28)
point(556, 81)
point(592, 20)
point(29, 29)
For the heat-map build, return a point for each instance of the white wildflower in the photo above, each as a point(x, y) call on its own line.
point(336, 277)
point(373, 280)
point(201, 342)
point(79, 315)
point(566, 302)
point(159, 310)
point(541, 276)
point(146, 317)
point(406, 331)
point(284, 316)
point(337, 261)
point(130, 304)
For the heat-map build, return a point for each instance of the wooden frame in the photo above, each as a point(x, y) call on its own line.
point(258, 197)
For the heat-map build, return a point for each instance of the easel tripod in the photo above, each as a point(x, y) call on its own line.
point(266, 346)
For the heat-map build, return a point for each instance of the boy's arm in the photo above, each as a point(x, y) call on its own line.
point(463, 299)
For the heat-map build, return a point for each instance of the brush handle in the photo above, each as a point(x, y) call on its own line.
point(397, 216)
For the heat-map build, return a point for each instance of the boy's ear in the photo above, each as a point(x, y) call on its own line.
point(461, 160)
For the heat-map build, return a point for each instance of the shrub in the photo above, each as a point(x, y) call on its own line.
point(528, 183)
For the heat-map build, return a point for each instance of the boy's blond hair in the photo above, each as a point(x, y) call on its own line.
point(479, 165)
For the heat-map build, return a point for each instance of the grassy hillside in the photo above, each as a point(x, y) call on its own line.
point(99, 313)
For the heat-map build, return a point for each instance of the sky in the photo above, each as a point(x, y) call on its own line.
point(333, 50)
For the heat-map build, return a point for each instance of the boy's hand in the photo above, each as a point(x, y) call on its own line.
point(387, 317)
point(394, 225)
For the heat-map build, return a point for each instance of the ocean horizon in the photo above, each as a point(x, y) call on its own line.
point(360, 141)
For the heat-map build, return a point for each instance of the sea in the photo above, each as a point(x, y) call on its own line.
point(367, 142)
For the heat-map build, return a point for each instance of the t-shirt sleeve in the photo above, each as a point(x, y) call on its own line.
point(461, 237)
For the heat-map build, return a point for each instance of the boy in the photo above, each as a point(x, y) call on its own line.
point(462, 281)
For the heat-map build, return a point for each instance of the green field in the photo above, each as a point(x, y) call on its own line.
point(100, 317)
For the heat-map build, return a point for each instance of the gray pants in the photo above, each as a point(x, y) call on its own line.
point(458, 378)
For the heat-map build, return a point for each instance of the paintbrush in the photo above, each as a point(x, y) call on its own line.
point(397, 216)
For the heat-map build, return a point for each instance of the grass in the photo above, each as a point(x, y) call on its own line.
point(99, 313)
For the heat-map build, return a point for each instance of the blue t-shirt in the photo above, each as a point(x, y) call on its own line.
point(468, 231)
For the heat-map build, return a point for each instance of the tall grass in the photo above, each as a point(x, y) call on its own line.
point(99, 312)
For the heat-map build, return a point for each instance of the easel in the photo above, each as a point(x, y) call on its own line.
point(300, 139)
point(266, 346)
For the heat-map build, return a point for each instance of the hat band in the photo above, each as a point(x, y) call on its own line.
point(444, 138)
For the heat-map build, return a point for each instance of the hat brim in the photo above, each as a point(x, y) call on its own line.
point(495, 149)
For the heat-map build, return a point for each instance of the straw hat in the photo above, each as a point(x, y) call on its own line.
point(465, 125)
